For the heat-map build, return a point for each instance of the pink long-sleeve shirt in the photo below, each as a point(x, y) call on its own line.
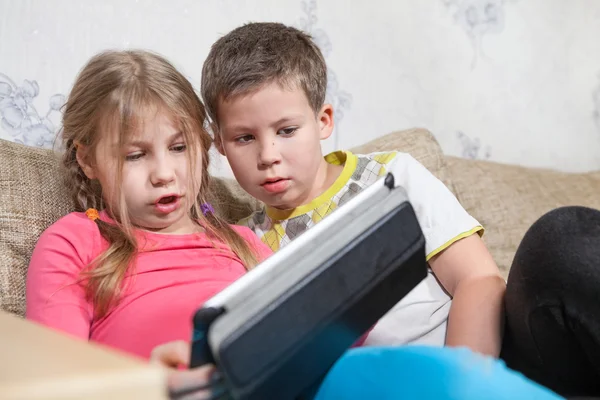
point(170, 278)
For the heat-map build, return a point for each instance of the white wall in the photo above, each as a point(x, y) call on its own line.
point(512, 81)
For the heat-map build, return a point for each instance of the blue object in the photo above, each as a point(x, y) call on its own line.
point(419, 372)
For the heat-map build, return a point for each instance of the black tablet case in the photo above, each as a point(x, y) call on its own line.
point(289, 347)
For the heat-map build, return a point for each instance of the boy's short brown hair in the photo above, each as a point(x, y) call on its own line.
point(260, 53)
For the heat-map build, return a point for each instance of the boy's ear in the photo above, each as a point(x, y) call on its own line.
point(82, 156)
point(218, 142)
point(325, 120)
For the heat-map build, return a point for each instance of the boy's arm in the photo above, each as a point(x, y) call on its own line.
point(468, 272)
point(465, 268)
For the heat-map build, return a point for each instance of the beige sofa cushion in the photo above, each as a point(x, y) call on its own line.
point(508, 199)
point(31, 198)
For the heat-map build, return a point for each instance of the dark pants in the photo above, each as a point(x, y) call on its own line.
point(552, 332)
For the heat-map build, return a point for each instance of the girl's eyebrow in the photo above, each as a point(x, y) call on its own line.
point(142, 143)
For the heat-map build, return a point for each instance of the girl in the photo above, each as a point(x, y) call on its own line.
point(144, 249)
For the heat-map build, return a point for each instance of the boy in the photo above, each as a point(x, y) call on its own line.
point(264, 88)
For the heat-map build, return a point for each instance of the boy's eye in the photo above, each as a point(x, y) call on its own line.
point(244, 139)
point(134, 156)
point(287, 131)
point(179, 148)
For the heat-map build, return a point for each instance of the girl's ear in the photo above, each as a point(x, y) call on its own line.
point(325, 119)
point(82, 155)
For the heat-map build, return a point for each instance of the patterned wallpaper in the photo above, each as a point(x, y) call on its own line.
point(514, 81)
point(20, 120)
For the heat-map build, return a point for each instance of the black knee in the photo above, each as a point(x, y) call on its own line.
point(561, 251)
point(567, 222)
point(552, 301)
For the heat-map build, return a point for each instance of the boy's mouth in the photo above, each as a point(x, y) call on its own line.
point(272, 180)
point(276, 185)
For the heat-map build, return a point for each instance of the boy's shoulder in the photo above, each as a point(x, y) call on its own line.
point(344, 157)
point(387, 158)
point(270, 232)
point(363, 169)
point(403, 165)
point(251, 221)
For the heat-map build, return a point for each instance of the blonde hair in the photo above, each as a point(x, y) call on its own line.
point(113, 88)
point(259, 53)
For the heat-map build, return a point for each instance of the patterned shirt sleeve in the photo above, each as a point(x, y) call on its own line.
point(441, 217)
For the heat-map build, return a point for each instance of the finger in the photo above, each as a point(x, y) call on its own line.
point(215, 393)
point(218, 393)
point(172, 354)
point(193, 383)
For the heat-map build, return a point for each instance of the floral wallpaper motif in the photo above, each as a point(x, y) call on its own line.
point(478, 18)
point(472, 146)
point(517, 84)
point(20, 120)
point(339, 99)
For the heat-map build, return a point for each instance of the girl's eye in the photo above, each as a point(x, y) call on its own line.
point(179, 148)
point(134, 156)
point(244, 139)
point(287, 131)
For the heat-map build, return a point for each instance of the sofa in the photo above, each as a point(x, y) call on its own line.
point(506, 199)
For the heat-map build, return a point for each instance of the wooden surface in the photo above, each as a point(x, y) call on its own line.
point(39, 363)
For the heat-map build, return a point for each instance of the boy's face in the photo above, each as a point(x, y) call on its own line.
point(271, 139)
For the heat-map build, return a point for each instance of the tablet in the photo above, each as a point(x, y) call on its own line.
point(277, 330)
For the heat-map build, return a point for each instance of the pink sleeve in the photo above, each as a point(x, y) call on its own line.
point(262, 250)
point(55, 295)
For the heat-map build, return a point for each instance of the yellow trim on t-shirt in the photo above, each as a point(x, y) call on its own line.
point(350, 162)
point(478, 229)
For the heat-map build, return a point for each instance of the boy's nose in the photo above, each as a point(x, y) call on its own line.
point(269, 154)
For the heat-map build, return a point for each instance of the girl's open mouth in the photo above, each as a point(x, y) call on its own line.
point(167, 204)
point(167, 199)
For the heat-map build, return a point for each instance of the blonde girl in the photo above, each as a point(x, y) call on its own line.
point(144, 248)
